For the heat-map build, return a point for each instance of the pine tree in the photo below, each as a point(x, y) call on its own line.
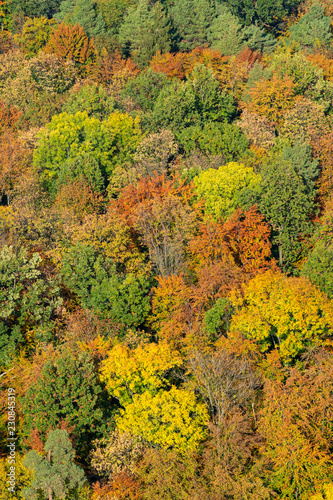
point(85, 14)
point(55, 473)
point(82, 12)
point(144, 32)
point(191, 19)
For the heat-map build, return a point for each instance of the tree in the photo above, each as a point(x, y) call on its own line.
point(287, 201)
point(116, 454)
point(5, 16)
point(191, 20)
point(258, 129)
point(171, 418)
point(224, 382)
point(220, 139)
point(272, 98)
point(304, 121)
point(71, 42)
point(247, 235)
point(34, 8)
point(269, 13)
point(166, 226)
point(138, 379)
point(15, 161)
point(122, 297)
point(69, 136)
point(83, 13)
point(89, 97)
point(29, 299)
point(225, 33)
point(295, 423)
point(313, 28)
point(35, 34)
point(144, 32)
point(129, 372)
point(51, 74)
point(113, 12)
point(223, 189)
point(272, 312)
point(68, 392)
point(196, 101)
point(294, 65)
point(318, 267)
point(145, 88)
point(56, 473)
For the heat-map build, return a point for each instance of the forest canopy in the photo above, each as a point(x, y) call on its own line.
point(166, 246)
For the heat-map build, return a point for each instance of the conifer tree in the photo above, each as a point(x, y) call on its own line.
point(144, 32)
point(56, 473)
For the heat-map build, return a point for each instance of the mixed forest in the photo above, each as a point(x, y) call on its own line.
point(166, 249)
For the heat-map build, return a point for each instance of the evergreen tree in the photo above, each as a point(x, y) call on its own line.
point(56, 473)
point(269, 13)
point(144, 32)
point(86, 16)
point(34, 8)
point(287, 201)
point(191, 20)
point(82, 12)
point(312, 28)
point(67, 390)
point(225, 33)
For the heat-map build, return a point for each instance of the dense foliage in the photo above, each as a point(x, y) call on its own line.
point(166, 246)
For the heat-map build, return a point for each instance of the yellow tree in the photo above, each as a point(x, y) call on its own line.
point(284, 313)
point(295, 422)
point(272, 98)
point(152, 407)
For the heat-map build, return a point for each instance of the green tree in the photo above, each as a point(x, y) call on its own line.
point(220, 139)
point(145, 88)
point(84, 13)
point(67, 137)
point(224, 189)
point(191, 20)
point(28, 300)
point(288, 199)
point(34, 8)
point(35, 34)
point(318, 266)
point(99, 287)
point(225, 33)
point(91, 98)
point(305, 75)
point(196, 101)
point(113, 12)
point(145, 31)
point(67, 391)
point(268, 13)
point(56, 473)
point(313, 28)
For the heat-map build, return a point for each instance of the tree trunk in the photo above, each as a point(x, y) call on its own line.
point(50, 494)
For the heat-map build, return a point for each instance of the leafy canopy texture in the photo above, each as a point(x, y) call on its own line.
point(273, 313)
point(57, 474)
point(122, 297)
point(223, 189)
point(27, 300)
point(67, 391)
point(313, 28)
point(162, 414)
point(144, 32)
point(108, 142)
point(171, 418)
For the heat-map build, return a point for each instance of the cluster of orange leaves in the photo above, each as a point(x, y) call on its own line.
point(231, 72)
